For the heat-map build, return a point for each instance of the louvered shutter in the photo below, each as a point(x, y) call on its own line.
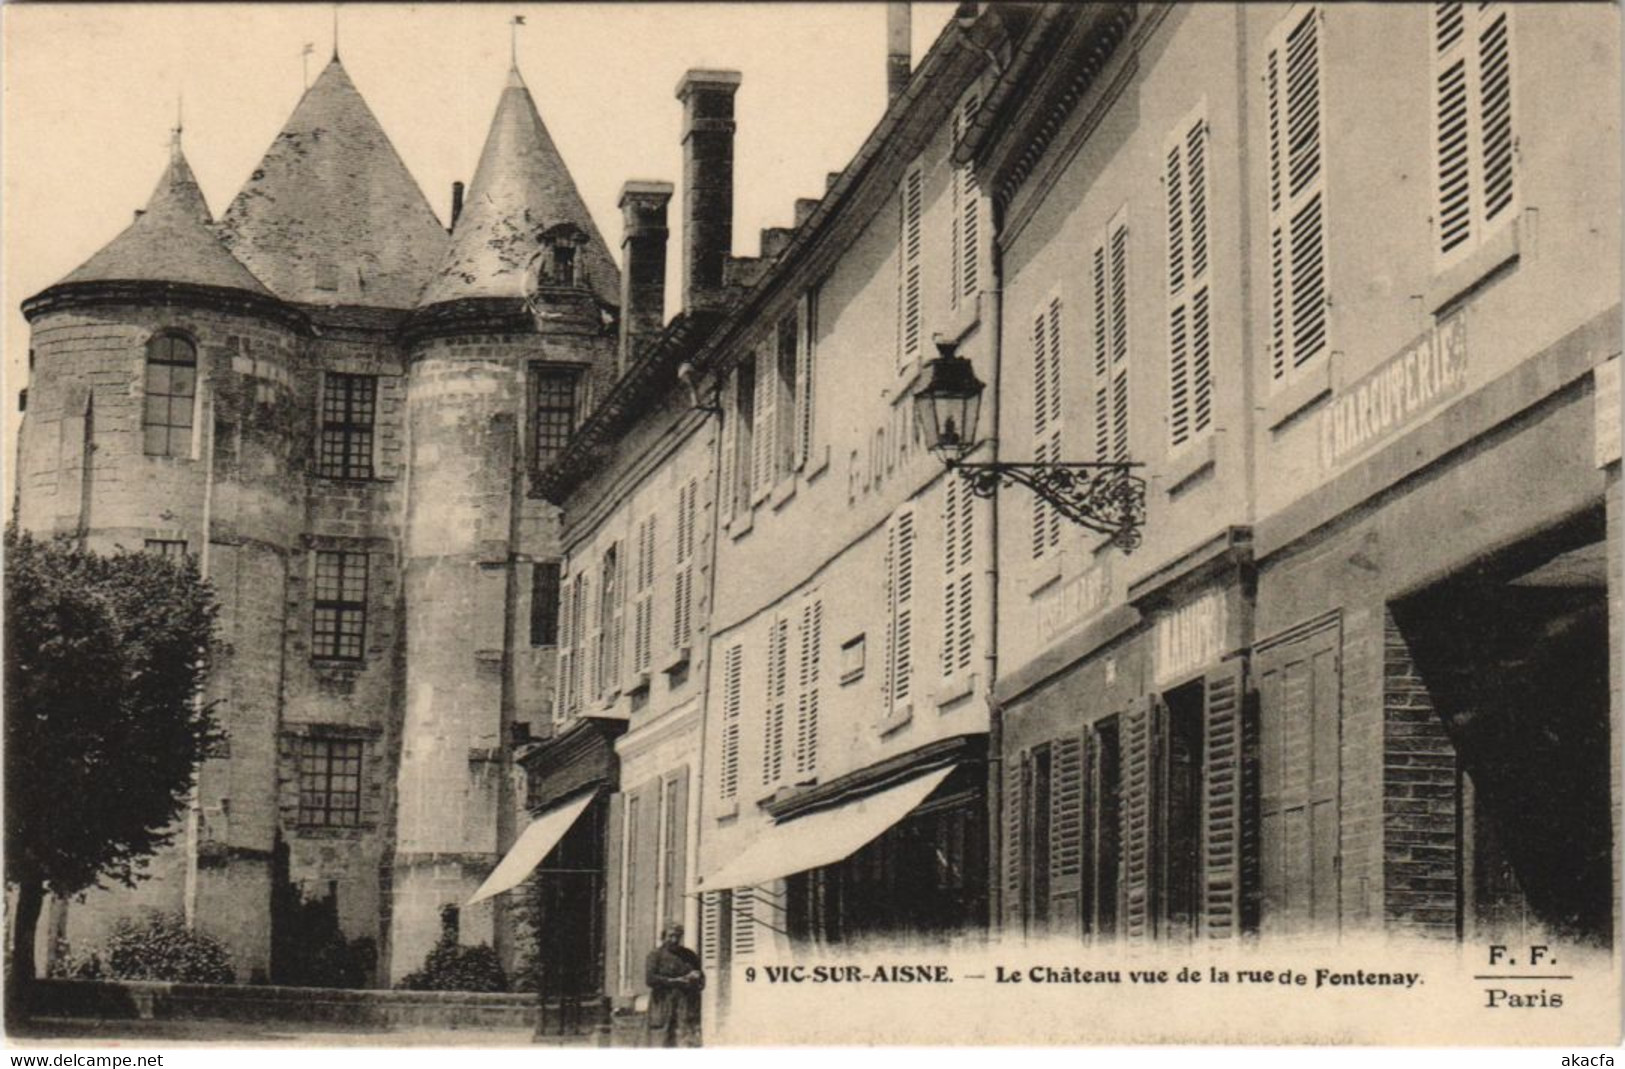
point(952, 489)
point(806, 379)
point(902, 673)
point(1041, 431)
point(1452, 128)
point(809, 665)
point(1229, 805)
point(778, 643)
point(967, 579)
point(1118, 261)
point(643, 606)
point(732, 683)
point(615, 891)
point(683, 577)
point(711, 930)
point(729, 479)
point(1066, 833)
point(763, 440)
point(1495, 107)
point(966, 237)
point(1297, 183)
point(1089, 856)
point(1102, 362)
point(1138, 809)
point(1190, 369)
point(1015, 802)
point(744, 922)
point(676, 847)
point(1052, 369)
point(911, 203)
point(563, 700)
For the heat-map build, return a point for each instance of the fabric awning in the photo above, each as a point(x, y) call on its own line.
point(533, 844)
point(824, 837)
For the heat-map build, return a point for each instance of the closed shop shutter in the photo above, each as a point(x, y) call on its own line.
point(613, 880)
point(1066, 833)
point(1229, 805)
point(1015, 778)
point(1140, 759)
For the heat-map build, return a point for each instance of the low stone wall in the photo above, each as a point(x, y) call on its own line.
point(151, 1000)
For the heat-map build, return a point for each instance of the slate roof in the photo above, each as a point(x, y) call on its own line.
point(173, 240)
point(520, 188)
point(331, 215)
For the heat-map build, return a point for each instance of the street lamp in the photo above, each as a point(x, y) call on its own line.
point(1104, 496)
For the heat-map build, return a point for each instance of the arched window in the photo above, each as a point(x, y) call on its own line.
point(171, 387)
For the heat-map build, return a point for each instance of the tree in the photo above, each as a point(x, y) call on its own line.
point(105, 661)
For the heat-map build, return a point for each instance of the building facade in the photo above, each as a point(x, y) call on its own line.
point(1313, 304)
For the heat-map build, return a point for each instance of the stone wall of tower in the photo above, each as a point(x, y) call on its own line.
point(472, 535)
point(82, 466)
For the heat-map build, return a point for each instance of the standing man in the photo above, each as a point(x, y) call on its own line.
point(675, 982)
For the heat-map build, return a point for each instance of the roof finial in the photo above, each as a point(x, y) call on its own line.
point(304, 62)
point(175, 134)
point(335, 31)
point(513, 41)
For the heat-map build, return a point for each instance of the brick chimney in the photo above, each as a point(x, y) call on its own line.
point(708, 181)
point(897, 50)
point(643, 264)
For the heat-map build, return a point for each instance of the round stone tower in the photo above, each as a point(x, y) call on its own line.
point(162, 417)
point(509, 341)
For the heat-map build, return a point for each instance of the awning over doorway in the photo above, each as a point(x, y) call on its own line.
point(824, 837)
point(533, 844)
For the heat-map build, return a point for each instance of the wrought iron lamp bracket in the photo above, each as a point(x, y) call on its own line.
point(1106, 497)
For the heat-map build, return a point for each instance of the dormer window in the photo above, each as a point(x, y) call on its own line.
point(560, 262)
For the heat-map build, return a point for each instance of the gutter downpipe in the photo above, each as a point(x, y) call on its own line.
point(995, 719)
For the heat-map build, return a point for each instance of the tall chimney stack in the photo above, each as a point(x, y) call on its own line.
point(643, 264)
point(897, 50)
point(708, 181)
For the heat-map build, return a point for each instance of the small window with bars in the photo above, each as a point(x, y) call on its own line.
point(169, 393)
point(340, 630)
point(553, 413)
point(349, 407)
point(330, 782)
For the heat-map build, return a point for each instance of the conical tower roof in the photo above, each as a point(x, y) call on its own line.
point(520, 189)
point(172, 240)
point(331, 215)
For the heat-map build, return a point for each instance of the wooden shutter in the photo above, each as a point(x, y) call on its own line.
point(614, 885)
point(966, 237)
point(1015, 803)
point(1190, 365)
point(902, 647)
point(1299, 778)
point(1066, 833)
point(763, 443)
point(645, 929)
point(1102, 362)
point(563, 699)
point(730, 445)
point(778, 651)
point(683, 579)
point(643, 605)
point(1138, 740)
point(1041, 417)
point(1229, 804)
point(809, 664)
point(911, 203)
point(676, 846)
point(1473, 128)
point(1495, 107)
point(1118, 262)
point(732, 682)
point(806, 379)
point(1297, 184)
point(711, 930)
point(744, 922)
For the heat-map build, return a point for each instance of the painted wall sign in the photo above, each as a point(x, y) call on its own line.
point(1377, 406)
point(1606, 400)
point(886, 449)
point(1067, 605)
point(1190, 637)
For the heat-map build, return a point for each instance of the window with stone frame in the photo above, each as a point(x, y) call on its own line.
point(340, 629)
point(349, 409)
point(330, 782)
point(169, 396)
point(553, 393)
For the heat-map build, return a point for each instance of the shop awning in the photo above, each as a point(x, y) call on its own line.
point(533, 844)
point(824, 837)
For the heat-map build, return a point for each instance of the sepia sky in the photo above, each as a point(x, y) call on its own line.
point(90, 96)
